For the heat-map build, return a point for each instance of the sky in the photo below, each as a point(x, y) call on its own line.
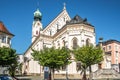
point(17, 16)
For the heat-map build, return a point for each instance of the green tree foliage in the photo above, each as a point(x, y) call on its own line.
point(88, 55)
point(52, 58)
point(8, 57)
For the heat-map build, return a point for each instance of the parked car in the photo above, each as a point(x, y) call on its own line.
point(6, 77)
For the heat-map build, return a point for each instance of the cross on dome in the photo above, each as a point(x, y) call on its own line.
point(64, 6)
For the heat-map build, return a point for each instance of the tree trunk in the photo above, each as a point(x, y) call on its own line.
point(90, 73)
point(84, 75)
point(52, 74)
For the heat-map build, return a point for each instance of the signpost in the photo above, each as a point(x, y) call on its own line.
point(46, 73)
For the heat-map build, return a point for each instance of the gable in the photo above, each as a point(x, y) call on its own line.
point(57, 23)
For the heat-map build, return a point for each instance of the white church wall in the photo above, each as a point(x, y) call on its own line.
point(34, 67)
point(57, 23)
point(51, 36)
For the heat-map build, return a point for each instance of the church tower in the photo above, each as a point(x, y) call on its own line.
point(37, 25)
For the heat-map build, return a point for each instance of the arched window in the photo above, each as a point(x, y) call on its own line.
point(64, 19)
point(50, 32)
point(58, 44)
point(75, 43)
point(57, 27)
point(88, 41)
point(63, 43)
point(36, 32)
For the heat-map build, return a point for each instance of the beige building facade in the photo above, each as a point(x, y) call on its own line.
point(112, 49)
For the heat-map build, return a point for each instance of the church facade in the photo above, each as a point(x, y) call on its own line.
point(62, 31)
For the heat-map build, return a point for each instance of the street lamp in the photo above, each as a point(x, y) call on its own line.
point(66, 46)
point(66, 69)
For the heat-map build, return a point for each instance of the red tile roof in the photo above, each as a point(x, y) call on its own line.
point(3, 29)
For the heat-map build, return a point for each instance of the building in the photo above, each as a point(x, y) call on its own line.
point(110, 66)
point(62, 31)
point(5, 40)
point(5, 36)
point(112, 48)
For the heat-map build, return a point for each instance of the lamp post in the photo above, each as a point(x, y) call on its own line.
point(66, 69)
point(66, 46)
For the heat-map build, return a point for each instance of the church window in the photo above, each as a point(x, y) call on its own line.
point(37, 46)
point(57, 27)
point(64, 19)
point(88, 42)
point(78, 66)
point(58, 44)
point(63, 43)
point(50, 32)
point(75, 44)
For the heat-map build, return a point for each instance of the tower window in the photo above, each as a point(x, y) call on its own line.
point(37, 32)
point(38, 24)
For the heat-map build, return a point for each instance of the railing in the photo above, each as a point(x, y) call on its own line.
point(105, 72)
point(3, 70)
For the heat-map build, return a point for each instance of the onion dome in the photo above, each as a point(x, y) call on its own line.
point(37, 15)
point(4, 30)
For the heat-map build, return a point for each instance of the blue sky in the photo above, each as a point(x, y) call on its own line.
point(17, 15)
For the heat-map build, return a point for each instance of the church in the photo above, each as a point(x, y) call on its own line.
point(62, 31)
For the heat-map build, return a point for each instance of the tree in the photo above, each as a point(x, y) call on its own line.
point(52, 58)
point(19, 68)
point(8, 58)
point(88, 55)
point(12, 68)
